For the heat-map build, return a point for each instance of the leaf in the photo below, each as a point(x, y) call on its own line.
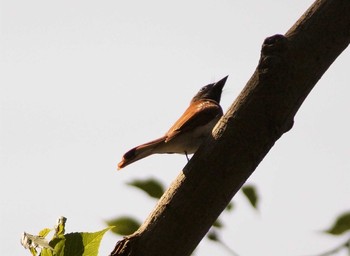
point(60, 226)
point(217, 224)
point(46, 252)
point(341, 225)
point(229, 207)
point(212, 235)
point(33, 251)
point(123, 225)
point(151, 186)
point(78, 244)
point(250, 192)
point(32, 241)
point(45, 232)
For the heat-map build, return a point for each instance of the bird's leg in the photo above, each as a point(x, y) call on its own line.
point(187, 156)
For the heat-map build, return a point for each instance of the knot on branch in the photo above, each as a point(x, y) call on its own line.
point(274, 70)
point(273, 56)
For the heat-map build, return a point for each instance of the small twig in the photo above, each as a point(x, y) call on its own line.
point(336, 249)
point(227, 248)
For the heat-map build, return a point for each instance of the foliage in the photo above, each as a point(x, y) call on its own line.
point(126, 225)
point(250, 192)
point(341, 225)
point(87, 244)
point(61, 244)
point(150, 186)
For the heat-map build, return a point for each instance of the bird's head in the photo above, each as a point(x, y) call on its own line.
point(211, 91)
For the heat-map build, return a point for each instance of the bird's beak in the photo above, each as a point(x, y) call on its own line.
point(220, 84)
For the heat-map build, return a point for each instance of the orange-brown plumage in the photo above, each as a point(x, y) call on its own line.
point(189, 131)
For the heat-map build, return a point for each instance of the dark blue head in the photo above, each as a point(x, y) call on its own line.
point(211, 91)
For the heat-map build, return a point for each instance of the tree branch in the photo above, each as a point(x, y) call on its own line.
point(288, 69)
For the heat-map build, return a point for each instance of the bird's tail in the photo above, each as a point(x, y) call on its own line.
point(140, 152)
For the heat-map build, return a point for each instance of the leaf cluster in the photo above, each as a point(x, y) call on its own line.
point(126, 225)
point(61, 244)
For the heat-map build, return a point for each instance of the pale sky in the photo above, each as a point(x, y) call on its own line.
point(84, 81)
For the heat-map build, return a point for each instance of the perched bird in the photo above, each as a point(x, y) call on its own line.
point(189, 131)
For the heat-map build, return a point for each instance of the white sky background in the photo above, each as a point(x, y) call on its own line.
point(84, 81)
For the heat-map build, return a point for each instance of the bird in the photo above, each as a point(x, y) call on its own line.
point(189, 131)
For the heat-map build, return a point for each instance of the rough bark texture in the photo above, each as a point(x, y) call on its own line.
point(288, 69)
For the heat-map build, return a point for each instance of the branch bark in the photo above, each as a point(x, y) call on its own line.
point(288, 69)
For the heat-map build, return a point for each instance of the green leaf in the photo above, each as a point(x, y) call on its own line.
point(60, 226)
point(46, 252)
point(45, 232)
point(229, 207)
point(217, 224)
point(151, 186)
point(77, 244)
point(213, 236)
point(33, 251)
point(341, 225)
point(123, 225)
point(250, 192)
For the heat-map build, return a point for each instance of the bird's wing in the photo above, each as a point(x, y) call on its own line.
point(197, 114)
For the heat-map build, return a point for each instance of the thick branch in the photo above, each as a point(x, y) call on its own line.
point(288, 69)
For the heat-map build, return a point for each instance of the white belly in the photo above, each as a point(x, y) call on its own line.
point(187, 142)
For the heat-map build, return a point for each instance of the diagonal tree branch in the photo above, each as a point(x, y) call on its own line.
point(288, 69)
